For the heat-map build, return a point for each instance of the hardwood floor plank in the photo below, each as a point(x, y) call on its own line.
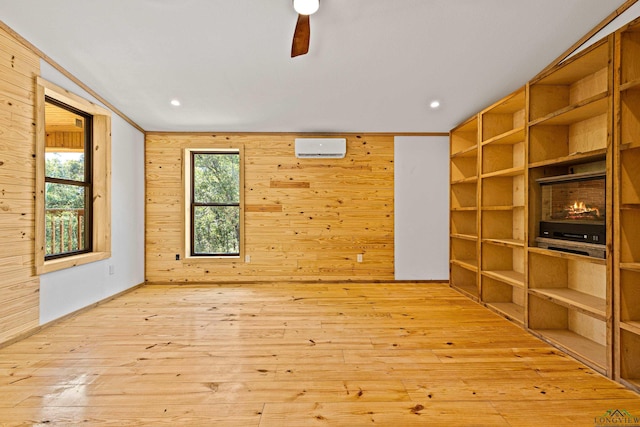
point(287, 354)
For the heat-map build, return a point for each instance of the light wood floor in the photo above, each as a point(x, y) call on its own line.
point(297, 355)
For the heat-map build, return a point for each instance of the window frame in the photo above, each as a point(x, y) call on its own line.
point(86, 183)
point(100, 173)
point(188, 205)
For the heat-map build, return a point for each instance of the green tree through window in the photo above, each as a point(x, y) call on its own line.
point(215, 203)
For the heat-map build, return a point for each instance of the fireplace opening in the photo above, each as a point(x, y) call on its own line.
point(573, 213)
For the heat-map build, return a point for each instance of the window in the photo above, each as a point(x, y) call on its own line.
point(73, 155)
point(68, 180)
point(213, 208)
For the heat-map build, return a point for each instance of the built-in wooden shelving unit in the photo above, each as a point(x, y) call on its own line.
point(502, 201)
point(464, 208)
point(574, 122)
point(570, 123)
point(627, 205)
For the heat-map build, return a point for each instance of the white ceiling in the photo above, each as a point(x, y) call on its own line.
point(373, 65)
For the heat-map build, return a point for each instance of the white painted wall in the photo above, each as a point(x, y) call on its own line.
point(623, 19)
point(421, 207)
point(65, 291)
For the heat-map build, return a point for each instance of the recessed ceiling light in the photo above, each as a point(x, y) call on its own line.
point(175, 102)
point(434, 104)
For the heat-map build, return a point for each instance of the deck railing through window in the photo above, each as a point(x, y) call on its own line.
point(65, 230)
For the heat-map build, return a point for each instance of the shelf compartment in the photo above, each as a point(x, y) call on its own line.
point(464, 222)
point(585, 303)
point(629, 297)
point(503, 263)
point(571, 283)
point(630, 176)
point(579, 78)
point(629, 242)
point(630, 118)
point(564, 143)
point(463, 168)
point(470, 237)
point(567, 255)
point(464, 138)
point(511, 243)
point(571, 159)
point(503, 191)
point(502, 157)
point(510, 137)
point(464, 195)
point(592, 107)
point(467, 180)
point(464, 253)
point(504, 225)
point(630, 55)
point(514, 279)
point(504, 117)
point(506, 299)
point(581, 335)
point(464, 280)
point(519, 170)
point(467, 264)
point(629, 360)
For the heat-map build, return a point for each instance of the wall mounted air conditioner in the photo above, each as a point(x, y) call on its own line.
point(317, 148)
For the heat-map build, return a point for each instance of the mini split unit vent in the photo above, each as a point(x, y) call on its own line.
point(318, 148)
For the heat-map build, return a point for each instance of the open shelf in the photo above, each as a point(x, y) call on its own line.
point(469, 264)
point(467, 180)
point(597, 307)
point(464, 168)
point(510, 310)
point(510, 137)
point(464, 222)
point(503, 296)
point(630, 177)
point(464, 280)
point(503, 224)
point(571, 159)
point(512, 243)
point(507, 172)
point(591, 352)
point(629, 119)
point(464, 253)
point(513, 278)
point(465, 237)
point(580, 334)
point(550, 144)
point(629, 242)
point(572, 114)
point(464, 196)
point(584, 76)
point(464, 139)
point(629, 297)
point(500, 158)
point(629, 360)
point(566, 255)
point(504, 121)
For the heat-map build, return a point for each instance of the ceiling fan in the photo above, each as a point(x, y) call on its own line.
point(302, 33)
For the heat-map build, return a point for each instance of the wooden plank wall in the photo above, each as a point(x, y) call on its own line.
point(19, 287)
point(305, 219)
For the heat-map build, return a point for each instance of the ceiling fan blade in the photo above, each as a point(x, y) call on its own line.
point(301, 36)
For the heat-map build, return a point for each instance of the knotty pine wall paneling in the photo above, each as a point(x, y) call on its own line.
point(305, 219)
point(19, 287)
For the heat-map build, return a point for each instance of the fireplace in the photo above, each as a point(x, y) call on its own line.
point(573, 213)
